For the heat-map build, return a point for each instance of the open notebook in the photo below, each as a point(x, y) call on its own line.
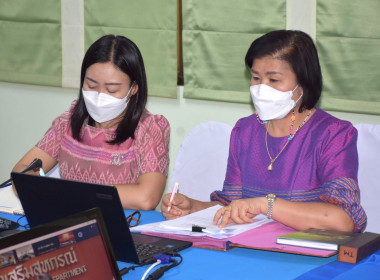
point(74, 246)
point(45, 199)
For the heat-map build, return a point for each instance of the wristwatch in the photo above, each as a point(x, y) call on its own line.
point(271, 198)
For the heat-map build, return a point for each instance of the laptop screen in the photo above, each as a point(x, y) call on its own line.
point(46, 199)
point(78, 251)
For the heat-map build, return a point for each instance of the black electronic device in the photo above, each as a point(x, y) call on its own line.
point(36, 163)
point(45, 199)
point(76, 245)
point(6, 224)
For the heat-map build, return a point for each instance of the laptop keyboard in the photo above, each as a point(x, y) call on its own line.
point(148, 250)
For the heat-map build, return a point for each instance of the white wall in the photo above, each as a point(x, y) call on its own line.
point(27, 112)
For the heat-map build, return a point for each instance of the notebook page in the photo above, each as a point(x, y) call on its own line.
point(204, 220)
point(9, 202)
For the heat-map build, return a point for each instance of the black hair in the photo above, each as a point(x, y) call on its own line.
point(126, 56)
point(298, 49)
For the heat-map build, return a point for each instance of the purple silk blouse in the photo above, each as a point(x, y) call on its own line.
point(319, 164)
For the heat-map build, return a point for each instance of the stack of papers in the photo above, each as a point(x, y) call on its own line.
point(9, 202)
point(202, 220)
point(261, 234)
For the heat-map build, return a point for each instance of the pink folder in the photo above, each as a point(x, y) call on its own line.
point(261, 238)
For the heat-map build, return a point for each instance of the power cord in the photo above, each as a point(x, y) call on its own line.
point(169, 257)
point(125, 270)
point(150, 268)
point(160, 259)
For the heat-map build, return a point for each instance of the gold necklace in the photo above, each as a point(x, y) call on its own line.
point(270, 166)
point(291, 136)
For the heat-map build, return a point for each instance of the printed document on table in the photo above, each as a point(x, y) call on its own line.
point(9, 202)
point(203, 219)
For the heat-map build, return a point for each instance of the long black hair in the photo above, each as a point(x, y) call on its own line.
point(298, 49)
point(126, 56)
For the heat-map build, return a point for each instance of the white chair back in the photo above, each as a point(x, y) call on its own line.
point(369, 173)
point(201, 162)
point(54, 172)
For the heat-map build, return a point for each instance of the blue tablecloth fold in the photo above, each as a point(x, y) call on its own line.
point(368, 268)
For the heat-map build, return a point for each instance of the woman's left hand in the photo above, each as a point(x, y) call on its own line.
point(240, 211)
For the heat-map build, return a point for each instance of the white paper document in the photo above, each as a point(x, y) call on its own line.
point(9, 202)
point(204, 220)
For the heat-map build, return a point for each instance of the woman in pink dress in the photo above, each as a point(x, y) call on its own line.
point(107, 136)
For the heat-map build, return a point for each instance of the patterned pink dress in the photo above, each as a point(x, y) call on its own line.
point(94, 160)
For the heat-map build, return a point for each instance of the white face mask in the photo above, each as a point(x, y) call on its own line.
point(103, 107)
point(270, 103)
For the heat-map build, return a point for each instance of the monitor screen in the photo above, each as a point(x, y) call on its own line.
point(78, 252)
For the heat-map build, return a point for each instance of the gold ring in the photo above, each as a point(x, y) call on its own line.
point(227, 208)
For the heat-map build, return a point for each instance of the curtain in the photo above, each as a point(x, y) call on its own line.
point(30, 48)
point(31, 45)
point(348, 41)
point(151, 25)
point(216, 37)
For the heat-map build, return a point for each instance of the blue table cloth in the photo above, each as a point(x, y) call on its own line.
point(240, 263)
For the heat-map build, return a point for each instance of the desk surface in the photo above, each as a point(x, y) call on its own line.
point(240, 263)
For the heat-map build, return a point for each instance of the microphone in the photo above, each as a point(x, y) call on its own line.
point(36, 163)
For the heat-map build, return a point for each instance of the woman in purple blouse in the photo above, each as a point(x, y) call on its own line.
point(108, 136)
point(291, 161)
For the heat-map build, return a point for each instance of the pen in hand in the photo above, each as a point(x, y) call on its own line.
point(175, 189)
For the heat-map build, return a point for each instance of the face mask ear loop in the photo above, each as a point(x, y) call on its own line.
point(298, 97)
point(129, 91)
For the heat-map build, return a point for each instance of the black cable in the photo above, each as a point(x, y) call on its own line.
point(159, 272)
point(175, 254)
point(26, 226)
point(36, 163)
point(125, 270)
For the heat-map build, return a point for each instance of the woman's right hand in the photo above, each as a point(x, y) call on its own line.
point(180, 206)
